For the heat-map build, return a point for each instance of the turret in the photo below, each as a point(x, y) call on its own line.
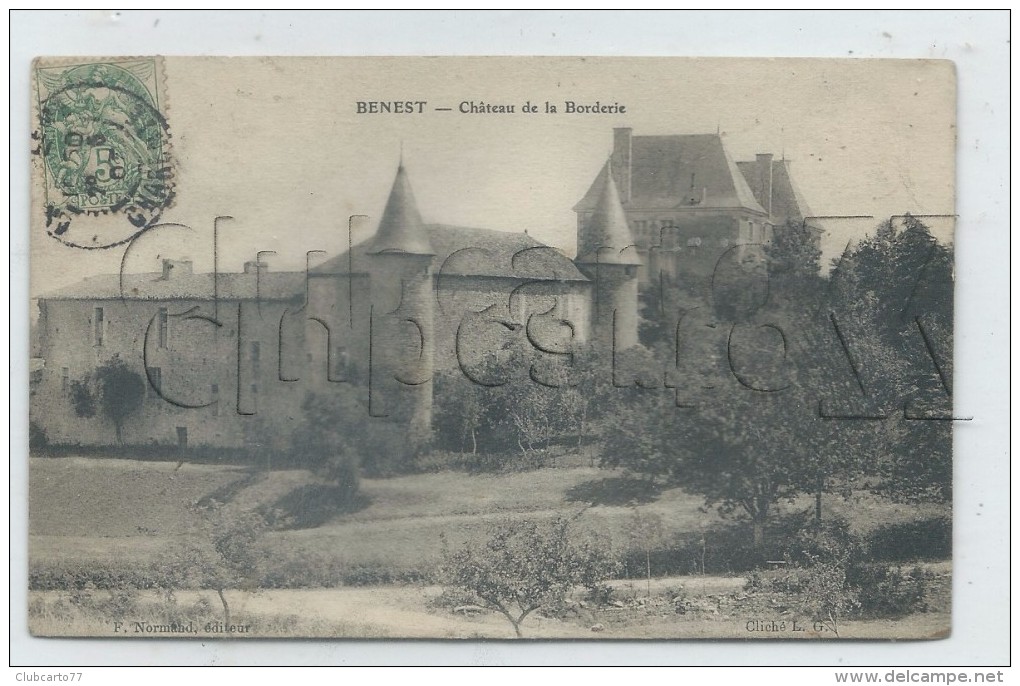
point(401, 229)
point(606, 253)
point(403, 330)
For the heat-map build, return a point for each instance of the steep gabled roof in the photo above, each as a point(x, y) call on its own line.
point(401, 228)
point(606, 237)
point(151, 286)
point(787, 201)
point(678, 172)
point(462, 251)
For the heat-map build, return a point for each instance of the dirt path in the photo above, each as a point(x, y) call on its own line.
point(407, 612)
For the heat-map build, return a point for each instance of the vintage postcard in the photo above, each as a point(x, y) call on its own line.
point(491, 348)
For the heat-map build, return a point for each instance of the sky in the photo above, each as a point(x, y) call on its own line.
point(278, 145)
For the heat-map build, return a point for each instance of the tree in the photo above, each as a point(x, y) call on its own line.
point(225, 558)
point(757, 436)
point(660, 303)
point(638, 429)
point(816, 384)
point(525, 565)
point(333, 437)
point(647, 532)
point(794, 251)
point(524, 401)
point(459, 410)
point(115, 389)
point(82, 399)
point(896, 287)
point(234, 540)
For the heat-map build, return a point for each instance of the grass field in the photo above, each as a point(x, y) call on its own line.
point(125, 514)
point(98, 509)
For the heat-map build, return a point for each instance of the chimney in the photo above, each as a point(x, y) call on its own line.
point(765, 170)
point(173, 269)
point(255, 267)
point(622, 161)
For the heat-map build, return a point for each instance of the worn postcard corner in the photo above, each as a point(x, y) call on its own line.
point(454, 348)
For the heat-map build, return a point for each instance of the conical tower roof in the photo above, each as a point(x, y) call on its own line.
point(606, 238)
point(401, 228)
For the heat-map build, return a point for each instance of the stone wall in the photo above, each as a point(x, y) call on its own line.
point(204, 384)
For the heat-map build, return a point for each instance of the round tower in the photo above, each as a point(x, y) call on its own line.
point(607, 255)
point(402, 327)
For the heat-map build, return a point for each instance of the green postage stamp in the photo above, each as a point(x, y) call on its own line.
point(103, 143)
point(464, 348)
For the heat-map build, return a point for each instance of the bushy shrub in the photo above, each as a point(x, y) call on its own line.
point(723, 549)
point(921, 539)
point(337, 438)
point(378, 575)
point(892, 591)
point(757, 582)
point(596, 564)
point(519, 404)
point(79, 575)
point(385, 448)
point(825, 592)
point(119, 603)
point(827, 540)
point(307, 569)
point(112, 603)
point(82, 398)
point(184, 566)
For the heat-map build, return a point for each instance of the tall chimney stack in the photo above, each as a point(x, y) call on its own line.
point(175, 268)
point(765, 170)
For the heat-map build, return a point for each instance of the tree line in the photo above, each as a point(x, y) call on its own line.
point(773, 382)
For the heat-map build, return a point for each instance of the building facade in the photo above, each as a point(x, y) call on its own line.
point(227, 358)
point(687, 202)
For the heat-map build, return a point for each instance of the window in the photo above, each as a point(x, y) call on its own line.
point(155, 375)
point(163, 324)
point(65, 379)
point(182, 437)
point(255, 354)
point(98, 322)
point(254, 398)
point(215, 388)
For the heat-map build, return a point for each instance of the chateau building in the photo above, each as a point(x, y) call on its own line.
point(224, 355)
point(687, 202)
